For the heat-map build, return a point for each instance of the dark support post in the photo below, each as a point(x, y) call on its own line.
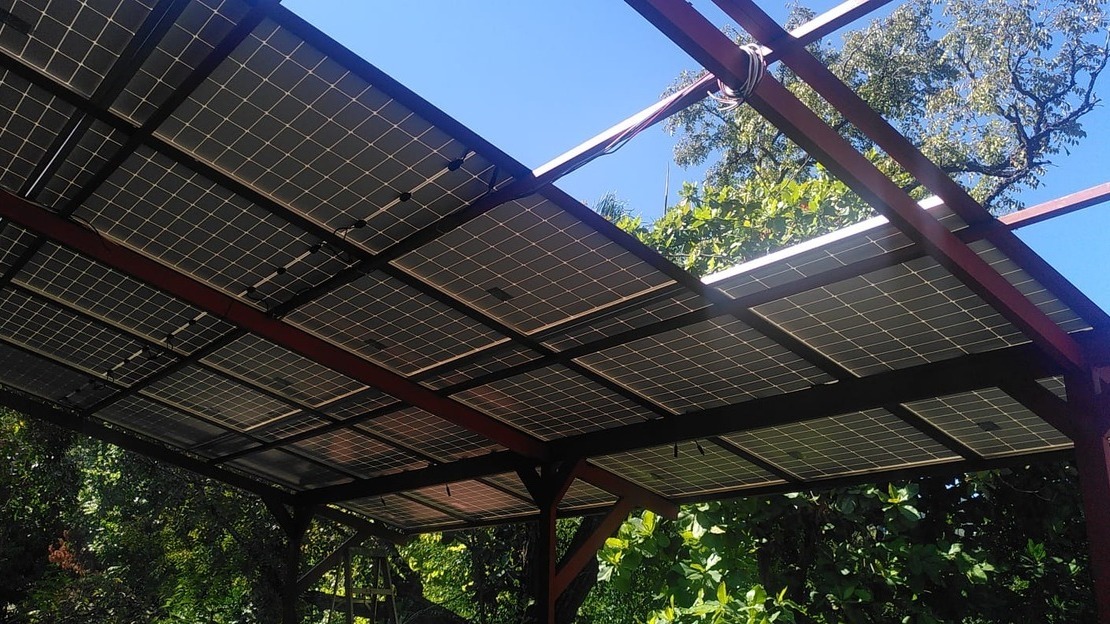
point(1089, 403)
point(548, 488)
point(577, 559)
point(295, 524)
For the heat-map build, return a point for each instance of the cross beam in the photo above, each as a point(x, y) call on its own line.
point(715, 51)
point(117, 256)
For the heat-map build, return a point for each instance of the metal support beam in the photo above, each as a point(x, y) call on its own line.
point(577, 559)
point(101, 248)
point(1089, 403)
point(333, 559)
point(710, 47)
point(1058, 207)
point(547, 488)
point(962, 374)
point(295, 524)
point(894, 143)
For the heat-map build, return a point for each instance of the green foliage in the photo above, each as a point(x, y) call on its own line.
point(712, 228)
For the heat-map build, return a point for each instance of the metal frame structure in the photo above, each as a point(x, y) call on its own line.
point(549, 468)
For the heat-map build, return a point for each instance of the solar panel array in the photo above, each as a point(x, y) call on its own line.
point(245, 150)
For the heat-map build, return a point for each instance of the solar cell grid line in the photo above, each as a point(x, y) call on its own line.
point(264, 445)
point(757, 22)
point(961, 374)
point(919, 382)
point(699, 38)
point(90, 412)
point(154, 27)
point(240, 32)
point(840, 372)
point(714, 311)
point(206, 297)
point(1042, 402)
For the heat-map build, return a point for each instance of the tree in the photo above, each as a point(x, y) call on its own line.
point(990, 90)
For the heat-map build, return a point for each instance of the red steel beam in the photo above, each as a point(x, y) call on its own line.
point(574, 561)
point(1090, 409)
point(857, 111)
point(101, 248)
point(820, 26)
point(1058, 207)
point(716, 52)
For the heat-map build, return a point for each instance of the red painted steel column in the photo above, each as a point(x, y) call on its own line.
point(1089, 403)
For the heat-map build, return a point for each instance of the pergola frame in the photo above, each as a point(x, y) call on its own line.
point(548, 469)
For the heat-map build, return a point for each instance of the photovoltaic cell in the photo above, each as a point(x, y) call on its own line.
point(94, 348)
point(14, 240)
point(301, 128)
point(76, 43)
point(690, 473)
point(287, 426)
point(217, 398)
point(43, 378)
point(904, 315)
point(580, 494)
point(392, 324)
point(1056, 386)
point(475, 499)
point(108, 294)
point(841, 445)
point(400, 512)
point(716, 362)
point(639, 316)
point(30, 119)
point(282, 371)
point(177, 216)
point(91, 152)
point(553, 402)
point(1033, 290)
point(193, 36)
point(358, 453)
point(500, 357)
point(287, 469)
point(991, 422)
point(415, 428)
point(159, 421)
point(531, 264)
point(867, 239)
point(358, 404)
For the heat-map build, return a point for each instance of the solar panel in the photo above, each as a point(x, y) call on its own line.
point(288, 470)
point(171, 213)
point(282, 371)
point(29, 123)
point(843, 445)
point(202, 392)
point(716, 362)
point(159, 421)
point(474, 499)
point(695, 470)
point(197, 31)
point(289, 141)
point(301, 128)
point(358, 453)
point(400, 511)
point(899, 316)
point(65, 276)
point(76, 43)
point(415, 428)
point(392, 324)
point(530, 264)
point(991, 422)
point(89, 155)
point(553, 402)
point(501, 357)
point(93, 348)
point(39, 376)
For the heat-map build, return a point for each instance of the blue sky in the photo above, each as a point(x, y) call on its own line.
point(537, 78)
